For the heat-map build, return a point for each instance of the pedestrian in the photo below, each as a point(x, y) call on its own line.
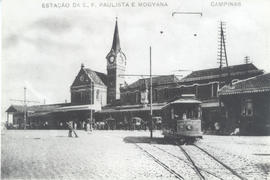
point(184, 116)
point(82, 125)
point(88, 128)
point(69, 128)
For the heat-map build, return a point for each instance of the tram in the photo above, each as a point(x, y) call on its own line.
point(181, 120)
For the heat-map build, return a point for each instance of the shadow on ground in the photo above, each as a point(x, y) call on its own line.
point(144, 139)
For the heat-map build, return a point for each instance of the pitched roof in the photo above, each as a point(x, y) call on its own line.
point(97, 77)
point(158, 80)
point(36, 108)
point(256, 84)
point(15, 108)
point(213, 73)
point(102, 76)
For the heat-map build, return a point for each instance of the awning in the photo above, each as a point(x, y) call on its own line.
point(132, 109)
point(36, 114)
point(186, 101)
point(211, 104)
point(79, 108)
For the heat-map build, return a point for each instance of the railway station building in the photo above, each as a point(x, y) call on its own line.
point(247, 103)
point(204, 84)
point(108, 100)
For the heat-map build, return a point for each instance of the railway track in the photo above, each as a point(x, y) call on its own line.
point(208, 167)
point(190, 164)
point(196, 168)
point(190, 153)
point(201, 172)
point(220, 162)
point(173, 172)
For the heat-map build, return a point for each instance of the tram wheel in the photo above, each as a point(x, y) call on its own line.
point(190, 140)
point(181, 141)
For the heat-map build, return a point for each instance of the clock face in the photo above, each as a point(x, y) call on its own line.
point(121, 59)
point(111, 60)
point(81, 78)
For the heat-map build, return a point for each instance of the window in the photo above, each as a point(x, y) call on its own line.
point(137, 100)
point(246, 107)
point(166, 93)
point(155, 95)
point(97, 94)
point(214, 89)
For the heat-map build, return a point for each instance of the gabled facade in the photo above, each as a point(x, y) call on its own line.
point(89, 87)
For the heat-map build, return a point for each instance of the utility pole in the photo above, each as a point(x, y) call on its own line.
point(151, 110)
point(24, 104)
point(151, 87)
point(24, 101)
point(222, 55)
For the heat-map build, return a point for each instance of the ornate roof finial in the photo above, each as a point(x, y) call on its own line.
point(82, 65)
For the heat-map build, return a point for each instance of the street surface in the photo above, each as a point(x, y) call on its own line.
point(51, 154)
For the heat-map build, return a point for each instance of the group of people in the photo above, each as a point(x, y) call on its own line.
point(72, 126)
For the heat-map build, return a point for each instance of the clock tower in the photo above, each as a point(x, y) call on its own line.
point(116, 65)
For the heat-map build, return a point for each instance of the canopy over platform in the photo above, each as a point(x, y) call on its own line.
point(214, 103)
point(43, 110)
point(185, 101)
point(78, 108)
point(132, 108)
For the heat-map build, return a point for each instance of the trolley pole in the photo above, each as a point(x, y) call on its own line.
point(151, 111)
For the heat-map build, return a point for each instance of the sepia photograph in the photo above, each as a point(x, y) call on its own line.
point(135, 89)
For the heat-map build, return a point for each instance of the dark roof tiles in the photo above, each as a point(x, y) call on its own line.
point(256, 84)
point(97, 77)
point(36, 108)
point(158, 80)
point(215, 72)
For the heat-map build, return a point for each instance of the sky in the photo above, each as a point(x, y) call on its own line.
point(43, 47)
